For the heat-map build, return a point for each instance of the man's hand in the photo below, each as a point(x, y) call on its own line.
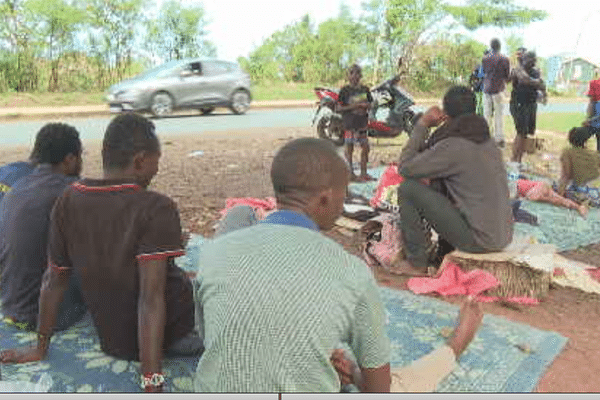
point(433, 117)
point(469, 319)
point(22, 355)
point(344, 367)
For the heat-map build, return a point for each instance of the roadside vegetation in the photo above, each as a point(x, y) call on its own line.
point(84, 46)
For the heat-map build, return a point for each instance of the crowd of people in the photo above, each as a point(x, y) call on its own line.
point(276, 299)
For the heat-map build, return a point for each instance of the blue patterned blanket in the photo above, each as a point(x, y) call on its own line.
point(493, 362)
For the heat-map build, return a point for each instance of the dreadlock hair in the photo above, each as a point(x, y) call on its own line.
point(459, 100)
point(54, 142)
point(125, 136)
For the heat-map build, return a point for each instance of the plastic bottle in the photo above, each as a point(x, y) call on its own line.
point(512, 169)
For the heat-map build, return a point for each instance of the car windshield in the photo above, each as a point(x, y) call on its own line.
point(160, 71)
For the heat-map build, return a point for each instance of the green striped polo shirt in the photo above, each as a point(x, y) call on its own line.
point(276, 300)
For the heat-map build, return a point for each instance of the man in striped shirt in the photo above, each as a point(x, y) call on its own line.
point(278, 298)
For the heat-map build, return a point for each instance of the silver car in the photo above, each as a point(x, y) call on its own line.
point(184, 84)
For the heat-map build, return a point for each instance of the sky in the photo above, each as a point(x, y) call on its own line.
point(238, 26)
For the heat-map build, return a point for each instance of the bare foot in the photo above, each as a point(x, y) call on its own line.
point(583, 210)
point(469, 320)
point(406, 268)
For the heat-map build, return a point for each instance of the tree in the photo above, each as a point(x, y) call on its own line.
point(412, 23)
point(112, 32)
point(500, 13)
point(19, 68)
point(57, 22)
point(180, 32)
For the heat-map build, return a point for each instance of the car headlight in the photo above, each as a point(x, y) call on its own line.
point(128, 94)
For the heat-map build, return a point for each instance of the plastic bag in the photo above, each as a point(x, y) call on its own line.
point(43, 385)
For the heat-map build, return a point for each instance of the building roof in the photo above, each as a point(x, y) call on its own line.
point(573, 59)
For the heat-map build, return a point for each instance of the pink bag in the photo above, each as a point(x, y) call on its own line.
point(384, 247)
point(384, 242)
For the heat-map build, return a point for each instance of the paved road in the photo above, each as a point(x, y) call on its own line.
point(23, 132)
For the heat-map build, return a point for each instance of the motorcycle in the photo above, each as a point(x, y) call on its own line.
point(387, 97)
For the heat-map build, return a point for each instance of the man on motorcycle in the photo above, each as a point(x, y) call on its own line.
point(355, 101)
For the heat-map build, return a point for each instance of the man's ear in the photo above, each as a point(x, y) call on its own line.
point(325, 197)
point(138, 160)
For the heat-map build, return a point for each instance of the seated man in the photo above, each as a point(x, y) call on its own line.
point(24, 223)
point(474, 215)
point(11, 173)
point(579, 165)
point(580, 170)
point(120, 238)
point(277, 297)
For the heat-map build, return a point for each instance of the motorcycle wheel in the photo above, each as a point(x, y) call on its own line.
point(330, 130)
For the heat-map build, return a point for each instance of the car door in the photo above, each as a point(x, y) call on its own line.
point(191, 88)
point(218, 81)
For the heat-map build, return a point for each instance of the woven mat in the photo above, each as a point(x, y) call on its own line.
point(367, 189)
point(492, 363)
point(76, 364)
point(560, 226)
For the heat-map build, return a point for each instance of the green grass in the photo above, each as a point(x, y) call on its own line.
point(282, 91)
point(50, 99)
point(559, 122)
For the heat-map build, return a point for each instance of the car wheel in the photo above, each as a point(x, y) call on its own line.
point(206, 110)
point(162, 104)
point(240, 102)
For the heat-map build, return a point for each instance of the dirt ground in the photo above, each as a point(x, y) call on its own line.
point(236, 164)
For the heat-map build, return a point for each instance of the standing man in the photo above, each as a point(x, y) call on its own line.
point(355, 102)
point(593, 110)
point(496, 69)
point(526, 82)
point(476, 82)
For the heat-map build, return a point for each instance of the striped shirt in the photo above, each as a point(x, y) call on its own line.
point(276, 301)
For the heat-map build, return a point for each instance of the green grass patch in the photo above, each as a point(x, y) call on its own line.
point(50, 99)
point(554, 122)
point(283, 91)
point(559, 122)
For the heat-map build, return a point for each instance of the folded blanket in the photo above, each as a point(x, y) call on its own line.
point(452, 280)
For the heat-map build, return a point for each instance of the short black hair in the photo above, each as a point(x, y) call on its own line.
point(355, 67)
point(459, 100)
point(54, 142)
point(579, 135)
point(306, 165)
point(126, 135)
point(495, 44)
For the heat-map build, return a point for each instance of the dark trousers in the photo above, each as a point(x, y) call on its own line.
point(418, 202)
point(596, 131)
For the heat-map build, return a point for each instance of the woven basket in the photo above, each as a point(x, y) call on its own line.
point(517, 278)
